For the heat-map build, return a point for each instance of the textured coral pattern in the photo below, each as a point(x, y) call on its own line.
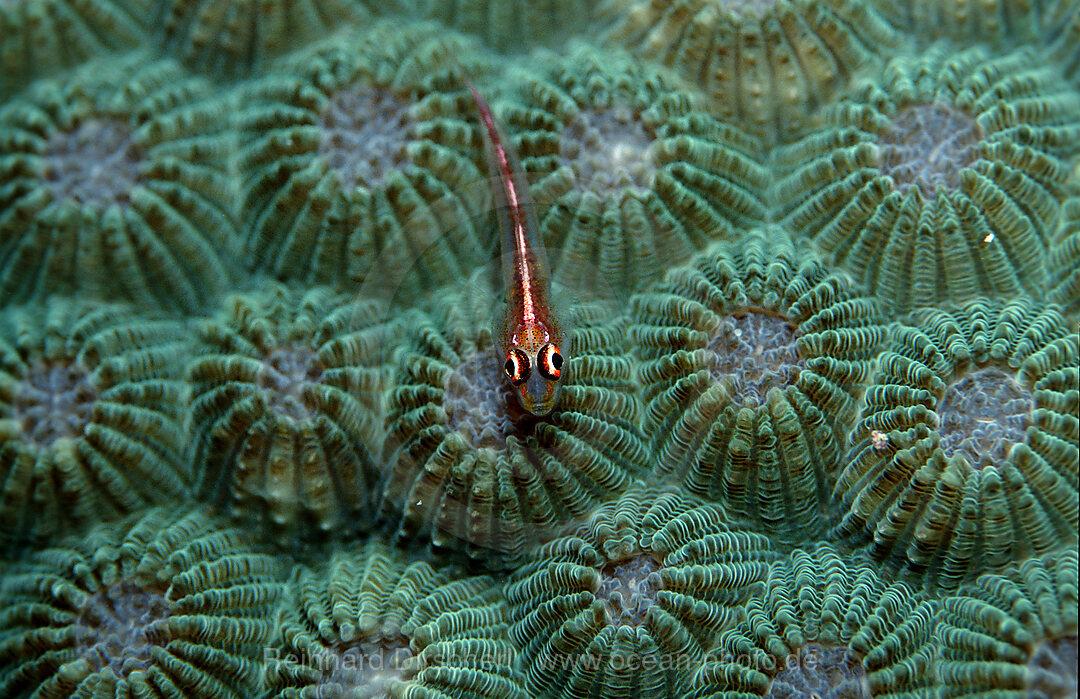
point(1014, 634)
point(509, 25)
point(91, 425)
point(979, 411)
point(1063, 262)
point(630, 602)
point(113, 184)
point(920, 218)
point(359, 165)
point(156, 606)
point(826, 627)
point(470, 469)
point(753, 364)
point(369, 624)
point(631, 172)
point(286, 404)
point(766, 65)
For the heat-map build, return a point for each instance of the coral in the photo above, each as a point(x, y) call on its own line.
point(753, 364)
point(359, 162)
point(631, 601)
point(160, 605)
point(826, 627)
point(920, 218)
point(287, 407)
point(91, 425)
point(238, 37)
point(469, 468)
point(765, 64)
point(1063, 263)
point(368, 623)
point(630, 172)
point(978, 466)
point(1013, 635)
point(113, 184)
point(511, 25)
point(1062, 34)
point(41, 37)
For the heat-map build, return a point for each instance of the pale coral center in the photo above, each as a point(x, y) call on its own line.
point(119, 625)
point(754, 353)
point(927, 145)
point(818, 671)
point(286, 374)
point(365, 134)
point(53, 401)
point(983, 415)
point(609, 150)
point(630, 587)
point(478, 402)
point(366, 670)
point(1052, 670)
point(95, 164)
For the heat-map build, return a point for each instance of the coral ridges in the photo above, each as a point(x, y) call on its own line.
point(114, 184)
point(965, 459)
point(91, 418)
point(468, 468)
point(510, 25)
point(287, 409)
point(633, 599)
point(369, 622)
point(1063, 262)
point(827, 627)
point(1015, 634)
point(940, 181)
point(766, 65)
point(630, 172)
point(753, 363)
point(162, 604)
point(360, 163)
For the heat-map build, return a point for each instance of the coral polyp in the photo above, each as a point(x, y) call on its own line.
point(1013, 634)
point(114, 184)
point(469, 468)
point(359, 164)
point(369, 623)
point(510, 25)
point(158, 605)
point(753, 367)
point(978, 465)
point(287, 410)
point(1063, 262)
point(91, 425)
point(631, 174)
point(826, 627)
point(630, 601)
point(940, 182)
point(766, 65)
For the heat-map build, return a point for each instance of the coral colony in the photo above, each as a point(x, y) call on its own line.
point(816, 271)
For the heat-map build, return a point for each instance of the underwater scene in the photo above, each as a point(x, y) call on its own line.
point(539, 349)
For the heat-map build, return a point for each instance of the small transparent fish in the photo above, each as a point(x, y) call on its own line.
point(531, 340)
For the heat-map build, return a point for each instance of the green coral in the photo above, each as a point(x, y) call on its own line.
point(940, 182)
point(114, 184)
point(767, 65)
point(966, 456)
point(42, 37)
point(162, 605)
point(234, 38)
point(1013, 636)
point(469, 468)
point(630, 171)
point(631, 602)
point(91, 423)
point(510, 25)
point(369, 623)
point(753, 364)
point(287, 406)
point(1063, 263)
point(830, 628)
point(359, 164)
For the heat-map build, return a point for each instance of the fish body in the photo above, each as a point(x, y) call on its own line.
point(531, 340)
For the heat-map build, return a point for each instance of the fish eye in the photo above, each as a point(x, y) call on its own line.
point(517, 367)
point(549, 362)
